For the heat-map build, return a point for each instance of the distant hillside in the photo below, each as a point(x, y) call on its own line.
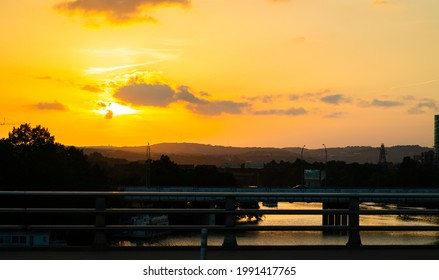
point(190, 153)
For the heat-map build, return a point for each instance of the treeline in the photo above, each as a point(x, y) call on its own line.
point(163, 172)
point(30, 159)
point(408, 174)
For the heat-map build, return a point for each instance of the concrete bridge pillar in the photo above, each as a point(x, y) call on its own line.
point(230, 222)
point(100, 239)
point(354, 221)
point(212, 217)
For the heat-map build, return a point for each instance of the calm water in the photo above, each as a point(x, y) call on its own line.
point(314, 237)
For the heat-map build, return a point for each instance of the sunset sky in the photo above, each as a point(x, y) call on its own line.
point(278, 73)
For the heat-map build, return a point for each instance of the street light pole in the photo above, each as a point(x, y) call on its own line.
point(326, 165)
point(301, 164)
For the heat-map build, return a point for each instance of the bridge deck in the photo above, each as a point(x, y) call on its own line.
point(220, 253)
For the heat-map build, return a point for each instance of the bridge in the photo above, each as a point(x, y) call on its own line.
point(340, 212)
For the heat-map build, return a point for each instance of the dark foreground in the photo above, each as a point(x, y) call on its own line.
point(220, 253)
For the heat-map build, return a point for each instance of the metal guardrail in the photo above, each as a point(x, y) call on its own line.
point(349, 211)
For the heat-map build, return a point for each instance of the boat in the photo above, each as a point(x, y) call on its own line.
point(145, 220)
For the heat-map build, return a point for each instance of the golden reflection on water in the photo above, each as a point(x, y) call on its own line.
point(315, 237)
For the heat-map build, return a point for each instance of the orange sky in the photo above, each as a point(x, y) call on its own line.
point(241, 73)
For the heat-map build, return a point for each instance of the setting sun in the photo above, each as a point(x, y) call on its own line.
point(112, 109)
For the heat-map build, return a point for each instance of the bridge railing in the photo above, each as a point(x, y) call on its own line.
point(22, 207)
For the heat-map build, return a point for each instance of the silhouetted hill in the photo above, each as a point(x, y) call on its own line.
point(191, 153)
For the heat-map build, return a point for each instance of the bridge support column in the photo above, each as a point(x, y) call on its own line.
point(354, 222)
point(230, 222)
point(100, 239)
point(203, 247)
point(212, 217)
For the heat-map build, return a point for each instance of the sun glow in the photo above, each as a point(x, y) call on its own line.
point(113, 109)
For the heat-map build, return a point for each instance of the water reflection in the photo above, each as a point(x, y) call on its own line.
point(314, 237)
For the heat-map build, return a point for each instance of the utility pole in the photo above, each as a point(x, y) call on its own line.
point(148, 166)
point(302, 176)
point(326, 166)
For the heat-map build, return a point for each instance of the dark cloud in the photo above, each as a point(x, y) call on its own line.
point(146, 95)
point(51, 106)
point(116, 11)
point(267, 98)
point(101, 104)
point(385, 103)
point(184, 95)
point(430, 104)
point(204, 94)
point(206, 107)
point(262, 98)
point(91, 88)
point(335, 99)
point(213, 108)
point(426, 104)
point(289, 112)
point(161, 95)
point(309, 95)
point(109, 115)
point(294, 97)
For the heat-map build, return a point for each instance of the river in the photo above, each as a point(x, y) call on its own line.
point(314, 237)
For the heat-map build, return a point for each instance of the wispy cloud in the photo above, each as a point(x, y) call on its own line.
point(417, 84)
point(150, 53)
point(116, 11)
point(100, 70)
point(44, 78)
point(336, 115)
point(57, 106)
point(385, 3)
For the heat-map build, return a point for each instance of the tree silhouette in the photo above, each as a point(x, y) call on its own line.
point(30, 159)
point(26, 135)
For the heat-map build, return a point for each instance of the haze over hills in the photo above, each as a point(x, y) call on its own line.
point(192, 153)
